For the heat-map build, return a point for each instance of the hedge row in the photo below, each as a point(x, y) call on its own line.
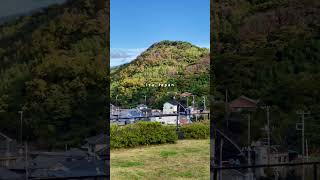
point(141, 133)
point(198, 130)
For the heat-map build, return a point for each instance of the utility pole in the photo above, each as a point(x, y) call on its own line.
point(267, 108)
point(249, 129)
point(204, 103)
point(226, 107)
point(221, 148)
point(145, 100)
point(302, 114)
point(193, 102)
point(213, 152)
point(117, 113)
point(26, 160)
point(249, 144)
point(187, 102)
point(269, 143)
point(21, 117)
point(307, 151)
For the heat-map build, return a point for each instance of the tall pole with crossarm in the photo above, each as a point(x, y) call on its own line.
point(21, 118)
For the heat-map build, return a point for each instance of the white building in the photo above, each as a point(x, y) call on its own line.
point(169, 108)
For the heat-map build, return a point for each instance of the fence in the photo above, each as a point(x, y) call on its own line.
point(162, 115)
point(97, 177)
point(127, 120)
point(305, 168)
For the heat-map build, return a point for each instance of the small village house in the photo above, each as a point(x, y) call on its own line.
point(8, 151)
point(243, 103)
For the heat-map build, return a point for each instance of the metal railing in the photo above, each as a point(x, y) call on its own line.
point(162, 115)
point(215, 170)
point(71, 177)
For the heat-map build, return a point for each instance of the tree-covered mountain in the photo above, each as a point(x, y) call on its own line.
point(53, 67)
point(270, 50)
point(176, 63)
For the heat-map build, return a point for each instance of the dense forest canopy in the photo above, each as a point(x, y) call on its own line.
point(270, 50)
point(167, 62)
point(53, 67)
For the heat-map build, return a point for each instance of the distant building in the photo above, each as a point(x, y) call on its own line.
point(278, 155)
point(243, 103)
point(6, 174)
point(232, 174)
point(97, 146)
point(8, 151)
point(171, 110)
point(170, 107)
point(113, 109)
point(142, 107)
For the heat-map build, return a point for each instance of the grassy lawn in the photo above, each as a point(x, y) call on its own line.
point(188, 159)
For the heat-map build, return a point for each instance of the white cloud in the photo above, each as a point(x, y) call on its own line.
point(120, 56)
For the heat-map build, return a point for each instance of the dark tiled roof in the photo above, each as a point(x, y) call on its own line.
point(243, 102)
point(173, 102)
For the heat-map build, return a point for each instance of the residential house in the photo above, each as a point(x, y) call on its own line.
point(6, 174)
point(97, 146)
point(243, 103)
point(232, 174)
point(142, 107)
point(8, 151)
point(170, 107)
point(277, 155)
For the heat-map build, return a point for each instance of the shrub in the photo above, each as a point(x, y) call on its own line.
point(141, 133)
point(198, 130)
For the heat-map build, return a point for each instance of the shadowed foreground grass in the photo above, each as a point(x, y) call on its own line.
point(188, 159)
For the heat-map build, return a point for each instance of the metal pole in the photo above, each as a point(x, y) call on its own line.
point(226, 106)
point(177, 123)
point(215, 175)
point(249, 139)
point(303, 113)
point(26, 160)
point(315, 172)
point(307, 151)
point(221, 147)
point(303, 152)
point(268, 122)
point(145, 100)
point(193, 102)
point(187, 102)
point(21, 117)
point(249, 129)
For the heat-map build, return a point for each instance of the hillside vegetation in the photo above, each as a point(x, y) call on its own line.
point(270, 50)
point(176, 63)
point(53, 67)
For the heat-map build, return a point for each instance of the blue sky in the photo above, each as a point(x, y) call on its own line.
point(135, 25)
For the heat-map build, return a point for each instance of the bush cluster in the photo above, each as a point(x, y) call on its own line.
point(141, 133)
point(197, 130)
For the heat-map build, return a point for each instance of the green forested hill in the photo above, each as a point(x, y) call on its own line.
point(167, 62)
point(270, 50)
point(53, 67)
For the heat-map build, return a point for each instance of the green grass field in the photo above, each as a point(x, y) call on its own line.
point(188, 159)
